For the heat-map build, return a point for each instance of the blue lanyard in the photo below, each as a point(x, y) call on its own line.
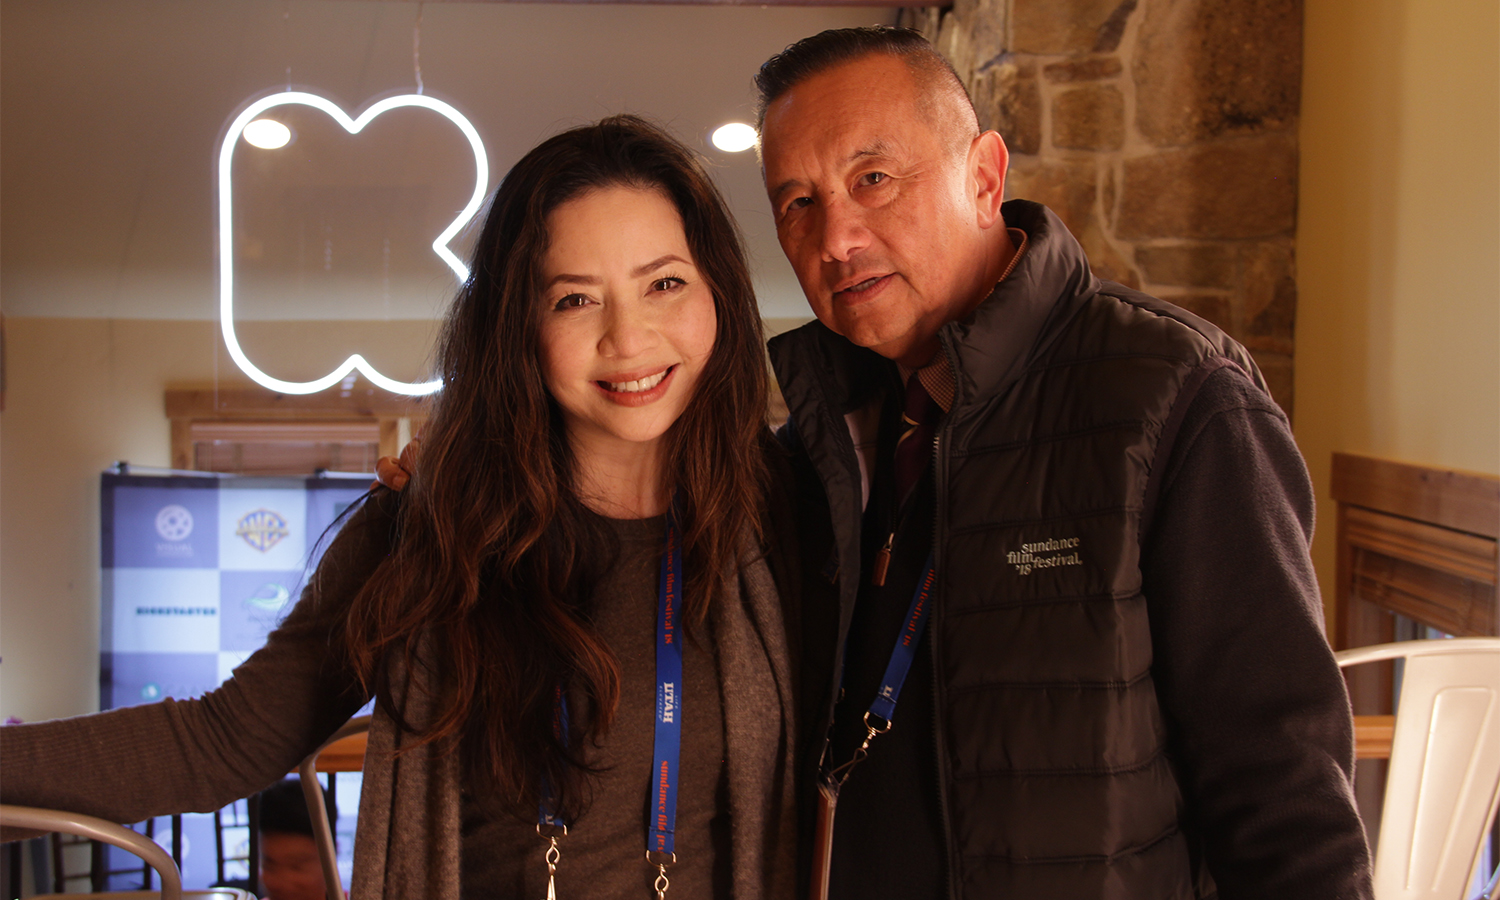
point(668, 744)
point(883, 707)
point(667, 748)
point(905, 650)
point(546, 817)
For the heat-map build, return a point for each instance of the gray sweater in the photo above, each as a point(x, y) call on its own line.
point(198, 755)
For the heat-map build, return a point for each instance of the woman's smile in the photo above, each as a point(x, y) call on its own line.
point(640, 389)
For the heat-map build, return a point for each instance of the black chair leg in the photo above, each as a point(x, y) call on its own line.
point(97, 876)
point(13, 872)
point(219, 844)
point(177, 840)
point(146, 871)
point(253, 803)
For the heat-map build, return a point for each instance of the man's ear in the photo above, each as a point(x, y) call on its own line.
point(988, 163)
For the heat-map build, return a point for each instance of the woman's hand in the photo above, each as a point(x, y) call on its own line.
point(393, 472)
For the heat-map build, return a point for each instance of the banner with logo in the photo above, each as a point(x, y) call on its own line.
point(198, 570)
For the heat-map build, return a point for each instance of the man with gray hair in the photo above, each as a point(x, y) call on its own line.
point(1067, 642)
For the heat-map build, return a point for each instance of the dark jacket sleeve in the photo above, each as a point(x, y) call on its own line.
point(1257, 713)
point(175, 756)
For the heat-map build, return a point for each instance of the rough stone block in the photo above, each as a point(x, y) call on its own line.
point(1277, 369)
point(1091, 68)
point(1008, 99)
point(1268, 279)
point(966, 34)
point(1236, 189)
point(1105, 259)
point(1060, 26)
point(984, 21)
point(1107, 195)
point(954, 40)
point(1188, 265)
point(1216, 308)
point(1206, 68)
point(1274, 327)
point(1066, 187)
point(1107, 38)
point(1089, 118)
point(926, 19)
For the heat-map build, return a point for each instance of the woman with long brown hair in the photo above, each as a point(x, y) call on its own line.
point(568, 620)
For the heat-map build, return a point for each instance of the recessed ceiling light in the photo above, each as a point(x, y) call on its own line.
point(734, 137)
point(267, 134)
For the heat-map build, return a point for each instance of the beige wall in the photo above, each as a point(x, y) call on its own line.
point(1398, 326)
point(80, 394)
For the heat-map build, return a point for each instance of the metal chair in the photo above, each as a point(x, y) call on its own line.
point(97, 871)
point(1444, 780)
point(322, 833)
point(120, 836)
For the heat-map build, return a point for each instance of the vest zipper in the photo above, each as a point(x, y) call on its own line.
point(943, 436)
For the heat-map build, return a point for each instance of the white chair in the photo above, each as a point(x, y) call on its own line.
point(322, 833)
point(1444, 777)
point(119, 836)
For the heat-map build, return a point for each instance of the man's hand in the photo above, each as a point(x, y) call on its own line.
point(394, 473)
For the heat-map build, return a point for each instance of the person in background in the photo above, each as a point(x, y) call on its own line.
point(1069, 642)
point(290, 868)
point(573, 619)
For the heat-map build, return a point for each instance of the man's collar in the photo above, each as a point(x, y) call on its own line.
point(993, 343)
point(1020, 239)
point(937, 376)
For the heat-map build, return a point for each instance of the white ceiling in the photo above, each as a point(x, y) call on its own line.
point(111, 114)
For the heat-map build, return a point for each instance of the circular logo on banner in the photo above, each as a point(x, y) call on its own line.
point(174, 523)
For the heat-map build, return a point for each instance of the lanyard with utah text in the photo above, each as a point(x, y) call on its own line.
point(877, 721)
point(667, 747)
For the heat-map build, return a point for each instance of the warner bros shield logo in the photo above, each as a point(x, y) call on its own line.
point(262, 529)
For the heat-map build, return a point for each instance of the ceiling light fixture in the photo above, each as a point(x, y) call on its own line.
point(267, 134)
point(734, 137)
point(353, 126)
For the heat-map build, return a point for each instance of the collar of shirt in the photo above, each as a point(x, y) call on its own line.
point(937, 376)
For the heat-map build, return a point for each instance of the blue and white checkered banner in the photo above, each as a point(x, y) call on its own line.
point(198, 570)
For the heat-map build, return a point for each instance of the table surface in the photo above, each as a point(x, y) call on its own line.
point(347, 755)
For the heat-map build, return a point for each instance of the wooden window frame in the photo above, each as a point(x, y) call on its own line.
point(246, 413)
point(1412, 541)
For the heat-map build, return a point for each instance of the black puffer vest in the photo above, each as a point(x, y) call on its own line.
point(1052, 756)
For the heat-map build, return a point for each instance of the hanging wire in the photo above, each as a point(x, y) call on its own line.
point(286, 34)
point(416, 47)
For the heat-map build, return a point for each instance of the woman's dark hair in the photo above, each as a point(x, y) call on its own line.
point(496, 556)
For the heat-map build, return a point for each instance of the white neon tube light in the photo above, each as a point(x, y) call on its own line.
point(439, 246)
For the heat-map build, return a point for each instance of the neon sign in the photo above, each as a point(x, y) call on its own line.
point(439, 246)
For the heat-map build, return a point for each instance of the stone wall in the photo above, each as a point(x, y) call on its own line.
point(1163, 132)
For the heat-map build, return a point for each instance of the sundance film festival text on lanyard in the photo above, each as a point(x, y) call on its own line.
point(877, 721)
point(668, 743)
